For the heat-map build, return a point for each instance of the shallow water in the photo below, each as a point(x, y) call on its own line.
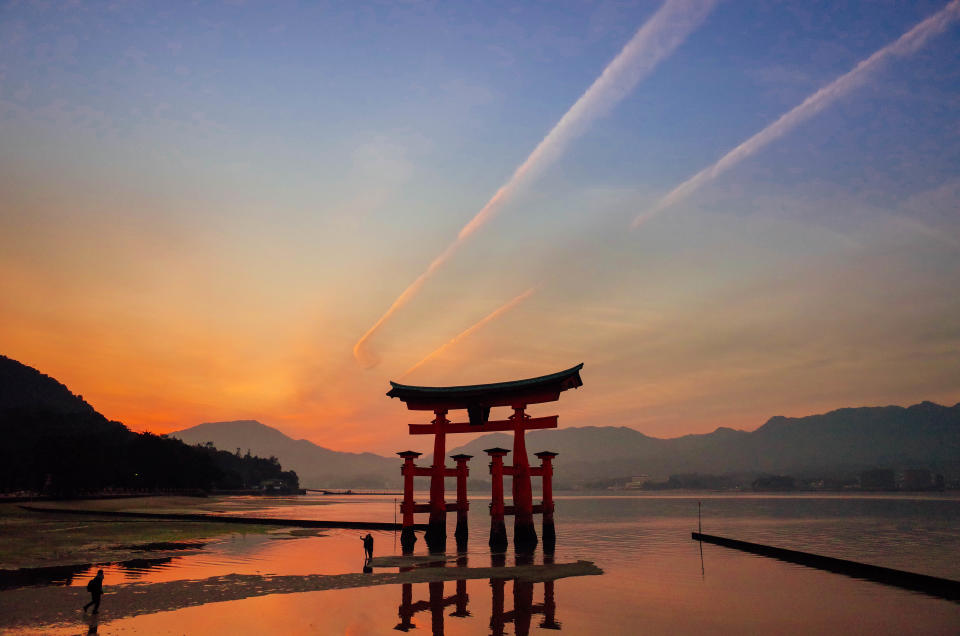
point(654, 580)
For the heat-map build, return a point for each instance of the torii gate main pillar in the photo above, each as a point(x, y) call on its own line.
point(436, 535)
point(524, 533)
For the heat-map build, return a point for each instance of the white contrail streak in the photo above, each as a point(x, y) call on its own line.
point(653, 42)
point(471, 330)
point(906, 44)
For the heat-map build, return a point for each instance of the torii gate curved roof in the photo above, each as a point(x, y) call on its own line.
point(546, 388)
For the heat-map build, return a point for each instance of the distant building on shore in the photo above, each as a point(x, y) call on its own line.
point(637, 483)
point(271, 485)
point(774, 482)
point(921, 479)
point(916, 479)
point(878, 479)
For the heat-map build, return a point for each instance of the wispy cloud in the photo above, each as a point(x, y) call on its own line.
point(653, 42)
point(466, 333)
point(908, 43)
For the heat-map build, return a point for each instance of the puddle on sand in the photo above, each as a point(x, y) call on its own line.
point(273, 553)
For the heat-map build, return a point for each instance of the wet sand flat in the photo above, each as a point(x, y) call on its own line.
point(178, 503)
point(37, 607)
point(210, 518)
point(34, 539)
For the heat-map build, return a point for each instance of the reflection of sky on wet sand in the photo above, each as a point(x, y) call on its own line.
point(652, 579)
point(738, 594)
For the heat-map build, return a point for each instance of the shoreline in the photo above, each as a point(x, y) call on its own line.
point(205, 518)
point(35, 540)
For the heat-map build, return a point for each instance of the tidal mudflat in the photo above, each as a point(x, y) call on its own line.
point(623, 565)
point(46, 540)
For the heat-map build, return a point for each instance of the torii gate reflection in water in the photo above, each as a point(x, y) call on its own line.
point(477, 400)
point(524, 609)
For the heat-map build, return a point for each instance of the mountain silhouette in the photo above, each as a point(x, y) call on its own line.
point(25, 388)
point(46, 426)
point(55, 443)
point(843, 441)
point(316, 466)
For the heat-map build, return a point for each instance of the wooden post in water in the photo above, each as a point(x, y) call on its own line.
point(703, 572)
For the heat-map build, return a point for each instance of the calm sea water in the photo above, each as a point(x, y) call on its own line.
point(656, 579)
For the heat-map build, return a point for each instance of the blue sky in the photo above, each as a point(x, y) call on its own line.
point(230, 195)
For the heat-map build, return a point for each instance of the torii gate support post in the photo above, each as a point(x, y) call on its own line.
point(549, 600)
point(549, 607)
point(497, 585)
point(436, 607)
point(407, 536)
point(498, 529)
point(436, 534)
point(462, 597)
point(524, 532)
point(405, 611)
point(462, 533)
point(522, 606)
point(549, 532)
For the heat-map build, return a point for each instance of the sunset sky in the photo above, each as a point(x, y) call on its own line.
point(268, 210)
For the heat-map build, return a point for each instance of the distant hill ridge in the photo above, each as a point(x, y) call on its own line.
point(55, 443)
point(845, 440)
point(849, 439)
point(24, 388)
point(317, 467)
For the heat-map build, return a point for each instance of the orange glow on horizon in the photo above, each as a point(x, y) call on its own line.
point(177, 255)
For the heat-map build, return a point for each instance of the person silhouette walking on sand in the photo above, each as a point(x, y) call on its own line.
point(95, 587)
point(368, 546)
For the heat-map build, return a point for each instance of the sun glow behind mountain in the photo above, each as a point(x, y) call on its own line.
point(204, 209)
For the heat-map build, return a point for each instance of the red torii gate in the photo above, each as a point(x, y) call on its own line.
point(478, 400)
